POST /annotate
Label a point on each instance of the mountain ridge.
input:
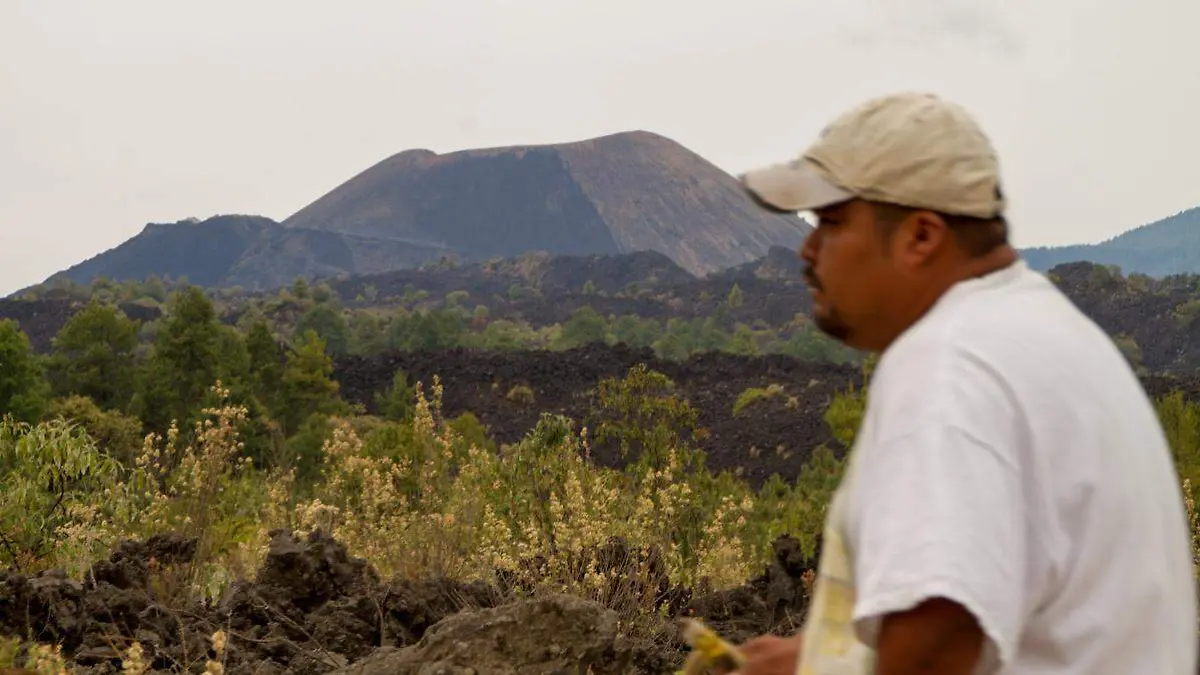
(611, 194)
(607, 195)
(1167, 246)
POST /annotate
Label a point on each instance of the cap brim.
(791, 188)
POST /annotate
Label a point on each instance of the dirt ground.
(315, 609)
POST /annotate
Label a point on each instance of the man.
(1010, 505)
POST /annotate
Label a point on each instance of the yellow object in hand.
(709, 650)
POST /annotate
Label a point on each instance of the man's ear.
(924, 234)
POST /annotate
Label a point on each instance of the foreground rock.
(314, 608)
(542, 636)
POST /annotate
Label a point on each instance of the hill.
(1164, 247)
(616, 194)
(239, 250)
(619, 193)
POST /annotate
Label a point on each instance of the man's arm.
(937, 637)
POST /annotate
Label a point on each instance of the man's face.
(849, 271)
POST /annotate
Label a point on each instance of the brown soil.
(315, 609)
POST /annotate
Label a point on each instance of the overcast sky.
(118, 113)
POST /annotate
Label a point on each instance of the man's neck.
(994, 261)
(964, 270)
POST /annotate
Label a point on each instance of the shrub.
(425, 496)
(755, 394)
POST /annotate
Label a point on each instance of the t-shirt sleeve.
(938, 504)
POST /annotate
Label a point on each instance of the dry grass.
(427, 502)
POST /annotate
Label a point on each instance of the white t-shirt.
(1010, 460)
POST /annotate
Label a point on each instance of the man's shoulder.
(1025, 315)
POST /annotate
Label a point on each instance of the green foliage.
(844, 415)
(398, 402)
(47, 472)
(642, 414)
(304, 449)
(635, 331)
(117, 434)
(798, 508)
(754, 395)
(1139, 283)
(742, 341)
(584, 327)
(1130, 350)
(368, 333)
(1180, 419)
(93, 356)
(1186, 312)
(307, 385)
(503, 334)
(455, 299)
(521, 393)
(1105, 277)
(413, 322)
(184, 362)
(809, 344)
(23, 388)
(427, 329)
(328, 323)
(266, 361)
(736, 297)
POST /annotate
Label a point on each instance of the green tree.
(635, 331)
(675, 343)
(503, 334)
(300, 289)
(117, 434)
(307, 387)
(454, 299)
(23, 388)
(154, 289)
(310, 397)
(397, 402)
(584, 327)
(327, 321)
(266, 366)
(742, 341)
(322, 293)
(184, 364)
(736, 296)
(93, 356)
(643, 413)
(437, 329)
(368, 334)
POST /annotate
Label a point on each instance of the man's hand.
(770, 655)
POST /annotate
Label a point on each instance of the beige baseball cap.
(911, 149)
